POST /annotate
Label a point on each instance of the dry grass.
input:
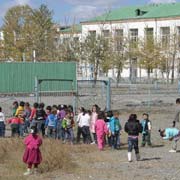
(55, 157)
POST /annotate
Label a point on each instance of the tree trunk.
(173, 64)
(96, 66)
(118, 77)
(149, 73)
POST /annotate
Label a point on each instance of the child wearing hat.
(32, 155)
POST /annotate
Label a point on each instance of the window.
(92, 33)
(105, 33)
(134, 37)
(119, 32)
(165, 36)
(76, 39)
(118, 39)
(66, 40)
(149, 33)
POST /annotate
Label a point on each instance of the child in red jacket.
(14, 121)
(32, 155)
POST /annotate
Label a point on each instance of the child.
(51, 124)
(20, 114)
(67, 125)
(39, 119)
(14, 109)
(14, 121)
(85, 124)
(133, 128)
(78, 121)
(109, 115)
(2, 123)
(171, 134)
(94, 116)
(115, 128)
(101, 130)
(32, 155)
(27, 113)
(60, 114)
(146, 133)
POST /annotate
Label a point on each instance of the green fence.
(20, 77)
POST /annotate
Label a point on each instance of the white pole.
(34, 55)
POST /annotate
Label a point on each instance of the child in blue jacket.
(171, 134)
(115, 128)
(51, 124)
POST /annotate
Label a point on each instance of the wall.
(20, 77)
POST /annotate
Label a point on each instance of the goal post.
(88, 85)
(71, 89)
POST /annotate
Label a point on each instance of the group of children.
(95, 127)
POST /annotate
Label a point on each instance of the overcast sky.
(68, 11)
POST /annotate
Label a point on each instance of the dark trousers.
(133, 144)
(79, 133)
(86, 134)
(40, 125)
(95, 137)
(15, 130)
(146, 138)
(2, 129)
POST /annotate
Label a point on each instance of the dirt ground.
(156, 162)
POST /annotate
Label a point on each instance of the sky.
(66, 12)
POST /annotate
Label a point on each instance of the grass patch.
(55, 157)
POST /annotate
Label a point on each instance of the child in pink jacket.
(101, 130)
(32, 155)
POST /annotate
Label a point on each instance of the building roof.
(140, 12)
(72, 29)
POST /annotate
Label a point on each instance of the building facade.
(160, 21)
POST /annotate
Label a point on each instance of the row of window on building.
(134, 34)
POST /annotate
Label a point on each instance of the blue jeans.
(51, 133)
(39, 125)
(69, 134)
(2, 129)
(21, 129)
(115, 139)
(59, 130)
(133, 144)
(27, 125)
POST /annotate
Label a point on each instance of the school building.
(135, 22)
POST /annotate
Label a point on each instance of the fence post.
(178, 86)
(36, 89)
(108, 95)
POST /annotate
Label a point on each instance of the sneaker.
(28, 172)
(172, 151)
(93, 143)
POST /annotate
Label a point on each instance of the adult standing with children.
(177, 112)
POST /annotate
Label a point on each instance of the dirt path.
(156, 162)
